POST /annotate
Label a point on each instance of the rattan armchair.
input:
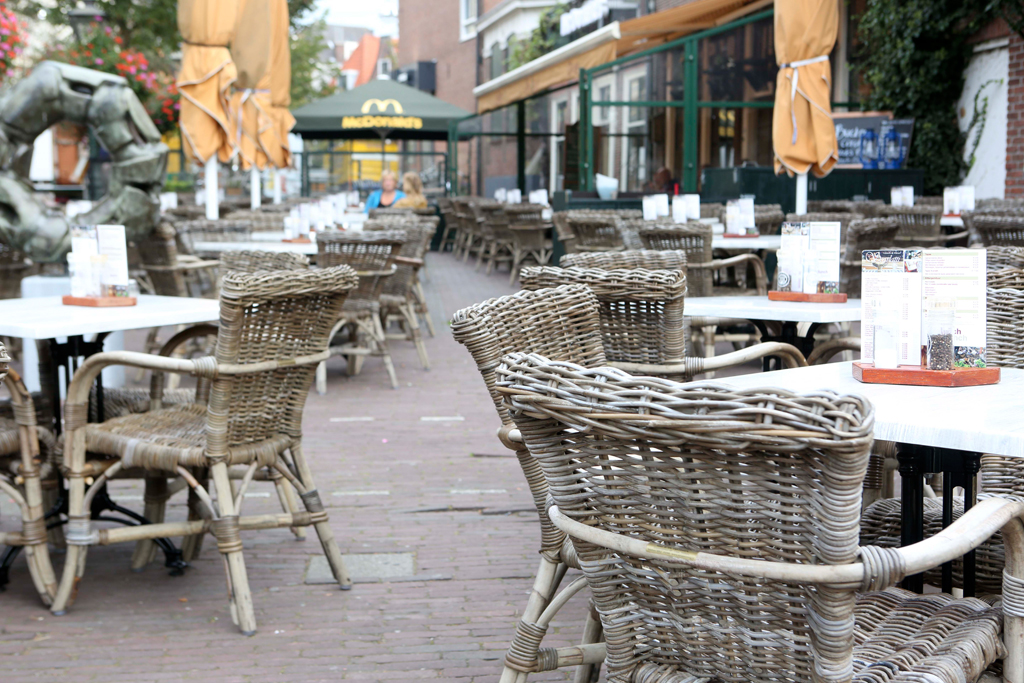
(920, 225)
(446, 208)
(718, 532)
(999, 230)
(261, 221)
(695, 239)
(470, 235)
(496, 237)
(372, 255)
(595, 233)
(985, 209)
(529, 238)
(22, 468)
(246, 261)
(768, 218)
(998, 258)
(190, 232)
(274, 330)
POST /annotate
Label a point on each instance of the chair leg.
(421, 300)
(289, 503)
(517, 262)
(156, 504)
(192, 545)
(321, 377)
(522, 654)
(323, 527)
(74, 560)
(592, 633)
(409, 313)
(225, 529)
(380, 339)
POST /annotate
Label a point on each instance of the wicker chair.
(920, 226)
(496, 237)
(719, 540)
(1008, 210)
(649, 259)
(998, 258)
(768, 218)
(451, 223)
(712, 211)
(257, 391)
(695, 239)
(469, 234)
(23, 466)
(861, 234)
(190, 232)
(529, 239)
(399, 298)
(258, 261)
(595, 233)
(999, 230)
(643, 328)
(261, 221)
(372, 256)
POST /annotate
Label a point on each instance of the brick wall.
(430, 30)
(1015, 119)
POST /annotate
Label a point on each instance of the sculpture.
(56, 92)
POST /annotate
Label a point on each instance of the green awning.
(377, 109)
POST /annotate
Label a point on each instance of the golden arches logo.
(382, 106)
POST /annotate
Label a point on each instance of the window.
(559, 118)
(604, 94)
(383, 68)
(496, 61)
(467, 17)
(637, 93)
(635, 143)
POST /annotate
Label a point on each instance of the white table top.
(47, 318)
(982, 419)
(308, 248)
(767, 242)
(952, 221)
(760, 308)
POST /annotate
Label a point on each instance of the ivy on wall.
(912, 55)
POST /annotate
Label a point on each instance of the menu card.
(661, 202)
(514, 196)
(98, 261)
(650, 207)
(809, 258)
(891, 290)
(959, 276)
(902, 196)
(739, 216)
(956, 200)
(112, 243)
(686, 207)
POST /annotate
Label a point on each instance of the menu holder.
(839, 298)
(915, 375)
(99, 301)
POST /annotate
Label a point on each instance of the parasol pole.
(801, 194)
(210, 178)
(255, 190)
(275, 178)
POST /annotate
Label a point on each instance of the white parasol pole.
(212, 204)
(276, 179)
(801, 194)
(255, 190)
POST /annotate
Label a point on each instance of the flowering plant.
(11, 40)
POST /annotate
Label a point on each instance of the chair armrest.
(760, 274)
(695, 365)
(409, 261)
(964, 535)
(184, 265)
(156, 382)
(824, 352)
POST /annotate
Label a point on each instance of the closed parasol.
(206, 75)
(250, 50)
(803, 134)
(275, 139)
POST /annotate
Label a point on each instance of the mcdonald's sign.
(382, 106)
(376, 116)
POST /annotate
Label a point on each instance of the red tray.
(812, 298)
(915, 375)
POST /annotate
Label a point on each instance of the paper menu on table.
(747, 212)
(678, 210)
(113, 244)
(514, 196)
(650, 207)
(661, 202)
(891, 281)
(83, 240)
(959, 275)
(821, 272)
(902, 196)
(734, 221)
(956, 200)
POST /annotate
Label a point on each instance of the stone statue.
(56, 92)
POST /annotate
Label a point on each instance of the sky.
(361, 13)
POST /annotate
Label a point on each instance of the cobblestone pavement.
(416, 470)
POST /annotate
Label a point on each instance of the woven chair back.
(694, 239)
(370, 254)
(712, 211)
(998, 257)
(271, 316)
(861, 234)
(562, 323)
(768, 218)
(1005, 318)
(391, 211)
(648, 259)
(757, 474)
(160, 249)
(999, 230)
(915, 221)
(596, 233)
(189, 232)
(259, 261)
(261, 221)
(525, 214)
(641, 310)
(416, 242)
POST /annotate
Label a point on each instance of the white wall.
(990, 62)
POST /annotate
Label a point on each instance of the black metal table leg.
(787, 335)
(948, 484)
(912, 481)
(971, 467)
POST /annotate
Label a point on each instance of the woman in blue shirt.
(387, 195)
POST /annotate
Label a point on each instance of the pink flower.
(132, 70)
(99, 62)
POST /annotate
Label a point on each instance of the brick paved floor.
(444, 490)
